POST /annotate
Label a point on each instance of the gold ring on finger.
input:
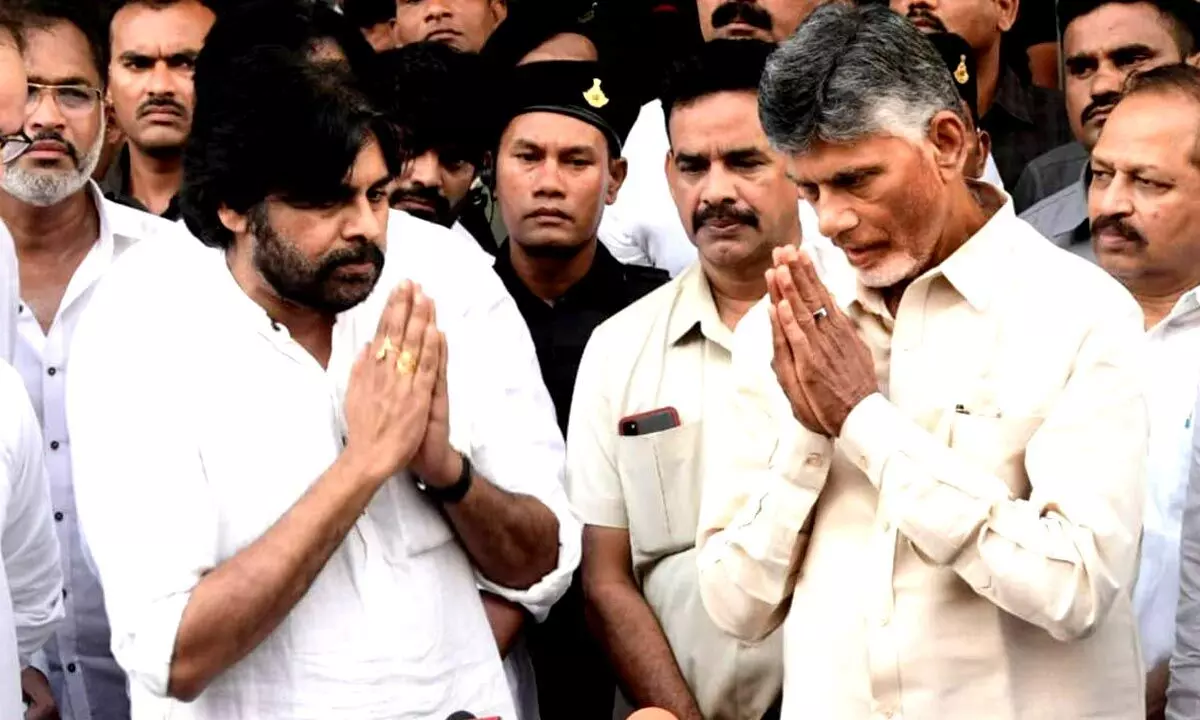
(406, 364)
(384, 349)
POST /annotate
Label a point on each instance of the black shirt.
(1024, 122)
(561, 331)
(116, 187)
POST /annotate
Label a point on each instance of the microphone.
(461, 715)
(652, 714)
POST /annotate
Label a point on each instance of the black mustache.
(741, 11)
(363, 251)
(431, 196)
(1107, 101)
(1118, 225)
(161, 104)
(53, 136)
(724, 211)
(918, 13)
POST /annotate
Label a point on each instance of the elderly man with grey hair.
(936, 488)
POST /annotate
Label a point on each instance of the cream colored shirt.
(967, 547)
(668, 350)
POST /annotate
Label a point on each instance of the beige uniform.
(668, 349)
(967, 547)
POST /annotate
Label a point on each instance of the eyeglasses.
(14, 146)
(71, 99)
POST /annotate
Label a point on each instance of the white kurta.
(204, 447)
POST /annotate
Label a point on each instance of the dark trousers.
(574, 679)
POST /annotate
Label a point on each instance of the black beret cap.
(960, 61)
(575, 88)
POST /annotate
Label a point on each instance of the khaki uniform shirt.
(668, 349)
(967, 547)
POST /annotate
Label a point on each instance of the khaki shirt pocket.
(996, 445)
(660, 478)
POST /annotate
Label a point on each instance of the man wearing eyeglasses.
(30, 576)
(66, 237)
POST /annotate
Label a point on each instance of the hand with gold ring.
(406, 363)
(392, 385)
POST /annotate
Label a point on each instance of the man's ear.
(951, 141)
(1008, 10)
(499, 10)
(985, 149)
(618, 170)
(235, 222)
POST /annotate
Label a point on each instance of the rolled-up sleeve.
(1058, 559)
(28, 544)
(1183, 694)
(144, 509)
(759, 498)
(515, 440)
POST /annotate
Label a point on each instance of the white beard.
(46, 188)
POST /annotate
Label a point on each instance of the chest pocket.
(996, 446)
(661, 478)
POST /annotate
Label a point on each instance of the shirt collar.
(970, 270)
(1186, 305)
(1012, 97)
(694, 307)
(116, 187)
(603, 277)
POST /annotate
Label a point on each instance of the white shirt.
(199, 423)
(643, 226)
(1172, 377)
(10, 281)
(88, 683)
(30, 577)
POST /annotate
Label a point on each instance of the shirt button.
(814, 460)
(70, 667)
(52, 372)
(53, 444)
(58, 517)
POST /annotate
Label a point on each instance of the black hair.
(366, 14)
(439, 96)
(1182, 15)
(717, 66)
(12, 23)
(272, 121)
(1180, 79)
(116, 6)
(87, 17)
(301, 27)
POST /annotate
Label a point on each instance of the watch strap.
(451, 493)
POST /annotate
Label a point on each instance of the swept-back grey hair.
(849, 72)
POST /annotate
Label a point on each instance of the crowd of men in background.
(749, 359)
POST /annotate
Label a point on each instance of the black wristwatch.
(451, 493)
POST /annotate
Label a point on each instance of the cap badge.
(962, 75)
(595, 96)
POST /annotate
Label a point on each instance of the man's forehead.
(369, 168)
(726, 118)
(554, 130)
(1117, 25)
(825, 160)
(59, 52)
(148, 30)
